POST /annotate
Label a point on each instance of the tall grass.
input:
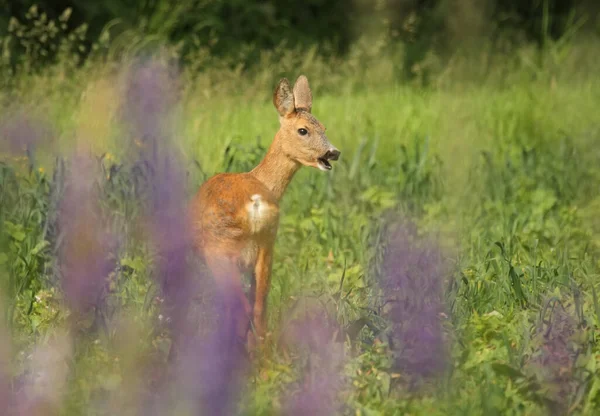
(494, 165)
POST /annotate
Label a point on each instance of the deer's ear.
(302, 94)
(283, 98)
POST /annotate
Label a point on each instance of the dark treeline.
(228, 27)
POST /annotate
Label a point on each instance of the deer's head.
(302, 137)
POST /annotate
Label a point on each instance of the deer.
(235, 216)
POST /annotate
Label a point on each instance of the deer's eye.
(302, 132)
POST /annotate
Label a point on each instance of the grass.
(501, 173)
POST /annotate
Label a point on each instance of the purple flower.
(322, 381)
(554, 359)
(411, 279)
(86, 246)
(41, 387)
(215, 361)
(208, 357)
(21, 132)
(171, 238)
(45, 382)
(150, 95)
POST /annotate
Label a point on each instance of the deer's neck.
(276, 170)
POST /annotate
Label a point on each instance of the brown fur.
(235, 216)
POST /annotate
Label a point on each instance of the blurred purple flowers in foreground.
(554, 359)
(23, 132)
(207, 362)
(412, 276)
(149, 96)
(322, 374)
(87, 248)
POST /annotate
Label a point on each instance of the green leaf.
(15, 231)
(506, 370)
(39, 247)
(18, 235)
(35, 322)
(385, 380)
(136, 263)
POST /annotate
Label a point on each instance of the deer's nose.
(332, 154)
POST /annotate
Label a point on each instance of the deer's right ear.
(283, 98)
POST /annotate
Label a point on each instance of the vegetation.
(448, 264)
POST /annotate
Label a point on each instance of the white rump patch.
(259, 213)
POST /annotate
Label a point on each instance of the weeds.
(493, 284)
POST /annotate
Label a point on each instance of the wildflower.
(84, 254)
(553, 361)
(207, 365)
(23, 132)
(44, 384)
(322, 378)
(150, 94)
(411, 279)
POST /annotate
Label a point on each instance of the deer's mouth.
(324, 164)
(323, 161)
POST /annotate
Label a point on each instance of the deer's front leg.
(262, 274)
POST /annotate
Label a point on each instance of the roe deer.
(235, 216)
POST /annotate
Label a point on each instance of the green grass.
(504, 171)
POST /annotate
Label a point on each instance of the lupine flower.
(411, 280)
(86, 246)
(554, 360)
(44, 384)
(215, 361)
(209, 364)
(21, 132)
(150, 95)
(322, 373)
(148, 98)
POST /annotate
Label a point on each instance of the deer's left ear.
(302, 94)
(283, 98)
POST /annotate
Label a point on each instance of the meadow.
(447, 265)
